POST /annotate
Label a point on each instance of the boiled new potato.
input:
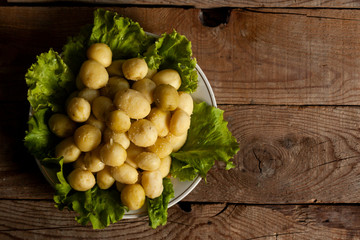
(165, 166)
(135, 68)
(112, 154)
(186, 102)
(148, 161)
(176, 141)
(96, 123)
(115, 69)
(119, 186)
(120, 138)
(168, 76)
(133, 103)
(61, 125)
(161, 147)
(133, 196)
(78, 109)
(68, 150)
(179, 123)
(125, 174)
(143, 133)
(132, 152)
(93, 74)
(118, 121)
(87, 137)
(152, 183)
(166, 97)
(161, 120)
(92, 161)
(104, 179)
(89, 94)
(151, 73)
(101, 53)
(146, 87)
(79, 163)
(114, 85)
(101, 107)
(81, 180)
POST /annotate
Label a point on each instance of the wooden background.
(287, 74)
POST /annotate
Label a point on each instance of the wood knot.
(215, 16)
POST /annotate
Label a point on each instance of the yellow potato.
(78, 109)
(68, 150)
(151, 73)
(112, 154)
(161, 120)
(152, 183)
(115, 69)
(93, 74)
(79, 163)
(146, 87)
(186, 102)
(61, 125)
(132, 152)
(176, 141)
(161, 147)
(118, 121)
(87, 137)
(143, 133)
(81, 180)
(125, 174)
(179, 122)
(96, 123)
(92, 161)
(101, 107)
(135, 68)
(168, 76)
(166, 97)
(71, 96)
(148, 161)
(120, 138)
(114, 85)
(101, 53)
(89, 94)
(165, 166)
(133, 103)
(119, 186)
(104, 179)
(133, 196)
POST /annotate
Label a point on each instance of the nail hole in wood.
(215, 16)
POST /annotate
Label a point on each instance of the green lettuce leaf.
(174, 51)
(208, 140)
(50, 81)
(183, 170)
(157, 207)
(125, 37)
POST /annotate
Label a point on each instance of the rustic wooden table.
(287, 73)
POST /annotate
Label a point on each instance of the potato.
(133, 103)
(79, 163)
(104, 179)
(135, 68)
(168, 76)
(146, 87)
(112, 154)
(101, 107)
(101, 53)
(152, 183)
(125, 174)
(166, 97)
(114, 85)
(93, 74)
(151, 73)
(148, 161)
(89, 94)
(119, 186)
(186, 102)
(96, 123)
(61, 125)
(161, 120)
(120, 138)
(92, 161)
(115, 69)
(179, 122)
(87, 137)
(161, 147)
(133, 196)
(68, 150)
(78, 109)
(81, 180)
(118, 121)
(143, 133)
(165, 165)
(71, 96)
(176, 141)
(132, 152)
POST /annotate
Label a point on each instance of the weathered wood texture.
(217, 3)
(266, 56)
(211, 221)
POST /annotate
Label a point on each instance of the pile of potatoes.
(122, 125)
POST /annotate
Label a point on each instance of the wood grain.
(39, 220)
(262, 56)
(218, 3)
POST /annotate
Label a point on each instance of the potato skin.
(78, 109)
(81, 180)
(165, 166)
(168, 76)
(176, 141)
(93, 75)
(179, 123)
(68, 150)
(161, 147)
(135, 68)
(161, 120)
(148, 161)
(92, 161)
(101, 107)
(89, 94)
(112, 154)
(133, 196)
(146, 87)
(186, 103)
(166, 97)
(118, 121)
(101, 53)
(152, 183)
(133, 103)
(120, 138)
(87, 137)
(104, 179)
(114, 85)
(125, 174)
(143, 133)
(61, 125)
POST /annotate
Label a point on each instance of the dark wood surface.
(288, 80)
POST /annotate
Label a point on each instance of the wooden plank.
(218, 3)
(263, 56)
(288, 155)
(39, 219)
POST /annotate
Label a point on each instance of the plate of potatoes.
(121, 125)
